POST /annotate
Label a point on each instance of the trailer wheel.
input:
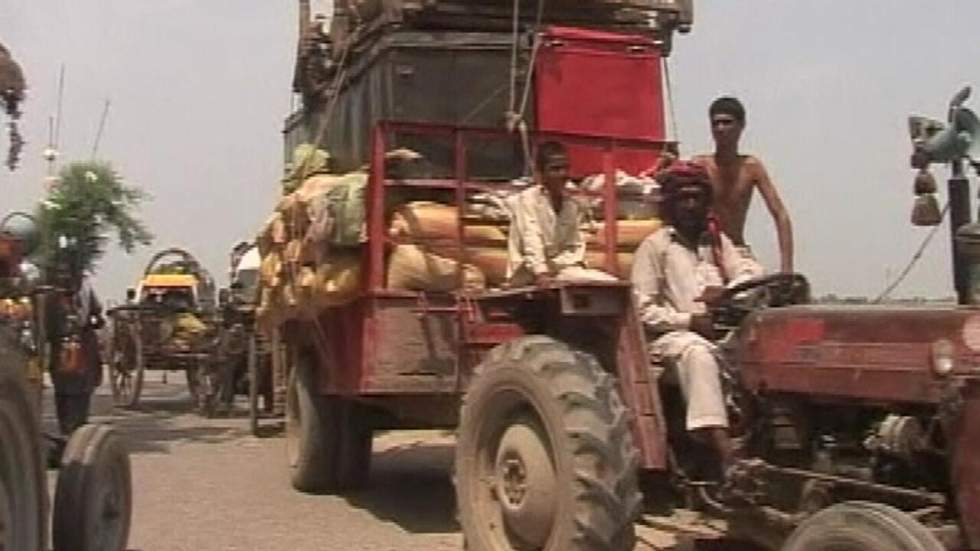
(545, 458)
(94, 495)
(312, 433)
(253, 385)
(23, 479)
(861, 526)
(260, 384)
(328, 442)
(357, 436)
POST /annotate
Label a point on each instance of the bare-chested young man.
(735, 176)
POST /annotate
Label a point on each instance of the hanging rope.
(670, 101)
(514, 42)
(530, 75)
(915, 258)
(337, 83)
(515, 116)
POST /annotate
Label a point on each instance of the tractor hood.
(894, 354)
(879, 355)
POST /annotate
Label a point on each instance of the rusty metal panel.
(966, 465)
(861, 353)
(592, 301)
(640, 393)
(397, 75)
(416, 347)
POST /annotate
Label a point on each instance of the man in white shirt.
(545, 242)
(678, 270)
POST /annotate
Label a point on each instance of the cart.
(169, 323)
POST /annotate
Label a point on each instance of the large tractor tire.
(545, 458)
(328, 444)
(861, 526)
(23, 479)
(93, 500)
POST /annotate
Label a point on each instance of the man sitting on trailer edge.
(545, 241)
(678, 270)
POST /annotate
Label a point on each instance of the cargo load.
(312, 258)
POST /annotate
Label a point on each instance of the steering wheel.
(768, 291)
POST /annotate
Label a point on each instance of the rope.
(915, 258)
(513, 57)
(476, 110)
(530, 75)
(335, 86)
(670, 100)
(514, 117)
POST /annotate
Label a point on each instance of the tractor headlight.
(943, 360)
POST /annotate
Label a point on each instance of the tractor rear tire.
(861, 526)
(94, 495)
(23, 479)
(328, 439)
(545, 457)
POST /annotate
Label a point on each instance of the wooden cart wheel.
(93, 501)
(126, 368)
(253, 384)
(202, 388)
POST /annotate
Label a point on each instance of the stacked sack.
(310, 247)
(312, 254)
(434, 227)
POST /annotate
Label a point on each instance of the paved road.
(208, 485)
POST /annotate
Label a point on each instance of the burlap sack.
(624, 261)
(423, 220)
(412, 269)
(278, 230)
(270, 271)
(629, 233)
(338, 281)
(293, 252)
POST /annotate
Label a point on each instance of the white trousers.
(692, 359)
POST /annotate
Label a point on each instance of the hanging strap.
(714, 231)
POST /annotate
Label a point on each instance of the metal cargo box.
(458, 78)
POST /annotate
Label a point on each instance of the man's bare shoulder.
(704, 159)
(753, 163)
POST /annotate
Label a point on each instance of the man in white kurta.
(675, 272)
(545, 241)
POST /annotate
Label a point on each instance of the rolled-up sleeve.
(647, 276)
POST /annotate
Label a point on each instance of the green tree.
(88, 204)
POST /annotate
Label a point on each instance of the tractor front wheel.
(545, 458)
(93, 501)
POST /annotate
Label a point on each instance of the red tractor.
(861, 425)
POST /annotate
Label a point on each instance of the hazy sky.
(199, 91)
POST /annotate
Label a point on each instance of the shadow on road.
(411, 487)
(164, 417)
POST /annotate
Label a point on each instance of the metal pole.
(959, 215)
